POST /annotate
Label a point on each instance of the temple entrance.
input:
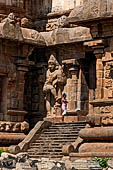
(77, 79)
(34, 102)
(34, 98)
(88, 82)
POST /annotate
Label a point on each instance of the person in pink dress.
(64, 105)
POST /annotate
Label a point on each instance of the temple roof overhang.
(58, 36)
(22, 35)
(91, 11)
(66, 35)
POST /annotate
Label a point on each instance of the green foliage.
(3, 150)
(102, 161)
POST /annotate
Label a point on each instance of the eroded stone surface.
(91, 10)
(16, 162)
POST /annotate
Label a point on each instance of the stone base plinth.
(66, 118)
(70, 118)
(89, 155)
(74, 118)
(96, 147)
(97, 134)
(57, 119)
(7, 139)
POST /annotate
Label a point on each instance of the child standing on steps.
(64, 105)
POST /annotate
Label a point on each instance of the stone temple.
(48, 48)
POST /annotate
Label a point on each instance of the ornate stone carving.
(10, 19)
(14, 127)
(51, 26)
(24, 23)
(107, 119)
(62, 21)
(100, 119)
(24, 126)
(55, 80)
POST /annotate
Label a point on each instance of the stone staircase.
(49, 143)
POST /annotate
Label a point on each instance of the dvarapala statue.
(55, 81)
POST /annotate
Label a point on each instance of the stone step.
(32, 150)
(45, 147)
(45, 153)
(55, 142)
(49, 143)
(60, 132)
(57, 135)
(66, 127)
(68, 130)
(58, 157)
(62, 129)
(56, 138)
(43, 144)
(69, 123)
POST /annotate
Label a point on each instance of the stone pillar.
(98, 48)
(72, 88)
(99, 77)
(16, 106)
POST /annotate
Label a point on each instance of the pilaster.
(72, 83)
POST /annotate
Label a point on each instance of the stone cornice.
(66, 36)
(55, 37)
(23, 35)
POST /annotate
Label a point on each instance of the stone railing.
(23, 146)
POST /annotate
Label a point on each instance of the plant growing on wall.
(103, 162)
(3, 150)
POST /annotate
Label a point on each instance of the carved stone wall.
(62, 5)
(78, 80)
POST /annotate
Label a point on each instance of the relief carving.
(105, 109)
(100, 119)
(14, 127)
(62, 21)
(107, 73)
(55, 80)
(10, 19)
(108, 83)
(24, 23)
(107, 119)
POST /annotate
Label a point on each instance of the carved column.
(16, 108)
(73, 87)
(99, 77)
(72, 83)
(98, 48)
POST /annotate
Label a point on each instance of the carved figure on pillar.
(10, 19)
(53, 86)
